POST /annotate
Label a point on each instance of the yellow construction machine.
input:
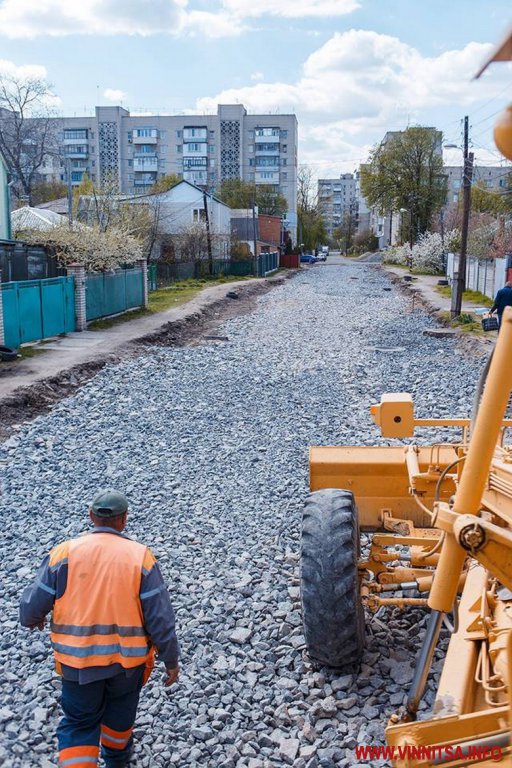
(441, 518)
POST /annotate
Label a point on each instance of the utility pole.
(459, 282)
(254, 237)
(70, 192)
(208, 235)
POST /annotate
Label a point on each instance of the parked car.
(322, 256)
(308, 258)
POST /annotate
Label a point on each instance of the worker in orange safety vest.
(111, 613)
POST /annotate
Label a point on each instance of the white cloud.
(257, 76)
(57, 18)
(24, 71)
(28, 72)
(212, 25)
(114, 94)
(361, 83)
(31, 18)
(290, 8)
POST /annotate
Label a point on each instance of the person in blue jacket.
(503, 299)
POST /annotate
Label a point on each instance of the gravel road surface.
(210, 443)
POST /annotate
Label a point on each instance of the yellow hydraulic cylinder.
(476, 467)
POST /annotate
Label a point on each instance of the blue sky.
(350, 69)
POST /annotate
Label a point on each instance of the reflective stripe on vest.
(98, 621)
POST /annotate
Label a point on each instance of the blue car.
(307, 258)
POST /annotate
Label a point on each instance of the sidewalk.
(426, 287)
(78, 348)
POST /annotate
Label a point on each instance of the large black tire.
(332, 612)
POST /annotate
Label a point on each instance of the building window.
(199, 214)
(211, 149)
(161, 163)
(75, 133)
(284, 148)
(251, 177)
(163, 134)
(179, 148)
(267, 132)
(146, 133)
(284, 176)
(250, 148)
(284, 134)
(76, 175)
(179, 134)
(212, 134)
(130, 163)
(284, 161)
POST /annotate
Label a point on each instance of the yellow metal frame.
(446, 513)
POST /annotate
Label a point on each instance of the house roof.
(34, 218)
(57, 206)
(169, 191)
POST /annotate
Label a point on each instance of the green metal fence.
(268, 263)
(161, 274)
(110, 293)
(37, 309)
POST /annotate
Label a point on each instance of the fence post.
(143, 264)
(78, 272)
(2, 335)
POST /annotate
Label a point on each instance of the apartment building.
(202, 149)
(337, 197)
(494, 177)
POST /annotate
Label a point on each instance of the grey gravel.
(210, 443)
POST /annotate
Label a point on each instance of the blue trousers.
(99, 712)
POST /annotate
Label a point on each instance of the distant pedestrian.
(503, 299)
(111, 612)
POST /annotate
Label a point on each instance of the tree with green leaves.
(244, 194)
(485, 200)
(405, 173)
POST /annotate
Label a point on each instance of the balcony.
(145, 164)
(195, 134)
(195, 163)
(144, 154)
(196, 177)
(76, 152)
(192, 149)
(267, 148)
(145, 136)
(69, 142)
(266, 177)
(261, 163)
(147, 180)
(267, 135)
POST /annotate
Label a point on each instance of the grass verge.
(475, 296)
(163, 299)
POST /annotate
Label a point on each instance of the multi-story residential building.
(494, 177)
(203, 149)
(337, 197)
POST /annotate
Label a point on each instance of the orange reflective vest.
(99, 621)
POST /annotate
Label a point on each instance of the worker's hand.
(39, 625)
(171, 675)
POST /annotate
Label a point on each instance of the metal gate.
(38, 309)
